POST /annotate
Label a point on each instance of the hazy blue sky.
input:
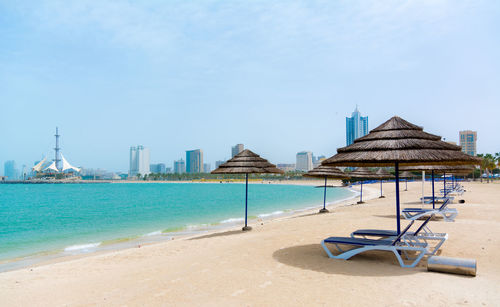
(278, 76)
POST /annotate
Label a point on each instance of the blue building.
(356, 126)
(159, 168)
(10, 170)
(194, 161)
(179, 167)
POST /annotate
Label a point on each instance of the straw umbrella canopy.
(406, 174)
(326, 172)
(247, 162)
(382, 174)
(362, 173)
(398, 142)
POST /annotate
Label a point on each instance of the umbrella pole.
(444, 184)
(406, 188)
(433, 200)
(423, 187)
(381, 196)
(361, 194)
(246, 204)
(398, 221)
(324, 210)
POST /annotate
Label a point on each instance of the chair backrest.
(444, 204)
(402, 233)
(423, 224)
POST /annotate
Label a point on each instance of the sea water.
(45, 218)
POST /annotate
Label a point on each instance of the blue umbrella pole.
(433, 199)
(324, 210)
(444, 184)
(246, 205)
(398, 221)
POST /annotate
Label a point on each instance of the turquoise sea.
(49, 218)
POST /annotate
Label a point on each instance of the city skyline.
(174, 76)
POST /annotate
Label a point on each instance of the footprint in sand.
(236, 293)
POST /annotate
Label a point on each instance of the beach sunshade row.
(363, 173)
(442, 169)
(399, 141)
(328, 172)
(247, 162)
(407, 174)
(382, 173)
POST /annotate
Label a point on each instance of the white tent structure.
(67, 166)
(52, 167)
(39, 166)
(55, 166)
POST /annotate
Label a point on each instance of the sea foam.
(81, 247)
(233, 220)
(154, 233)
(271, 214)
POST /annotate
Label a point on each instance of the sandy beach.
(280, 262)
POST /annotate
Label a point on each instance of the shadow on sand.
(219, 234)
(313, 257)
(435, 218)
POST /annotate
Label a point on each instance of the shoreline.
(89, 249)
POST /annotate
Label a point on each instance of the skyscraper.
(139, 161)
(10, 170)
(236, 149)
(356, 126)
(206, 168)
(468, 140)
(179, 167)
(219, 163)
(304, 161)
(194, 161)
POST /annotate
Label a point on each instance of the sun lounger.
(422, 235)
(437, 199)
(396, 245)
(448, 214)
(457, 191)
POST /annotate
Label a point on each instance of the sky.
(277, 76)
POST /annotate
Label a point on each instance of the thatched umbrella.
(398, 142)
(362, 173)
(440, 169)
(405, 175)
(326, 172)
(247, 162)
(382, 174)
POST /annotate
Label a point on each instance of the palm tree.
(488, 163)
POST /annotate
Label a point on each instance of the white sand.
(280, 262)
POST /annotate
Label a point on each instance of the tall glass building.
(356, 126)
(139, 161)
(10, 170)
(194, 161)
(236, 149)
(179, 167)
